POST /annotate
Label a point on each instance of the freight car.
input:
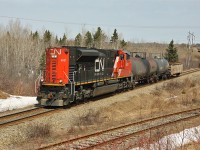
(73, 74)
(175, 69)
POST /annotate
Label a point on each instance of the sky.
(135, 20)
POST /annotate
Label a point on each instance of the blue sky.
(136, 20)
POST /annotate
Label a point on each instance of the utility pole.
(191, 38)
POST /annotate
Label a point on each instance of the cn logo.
(99, 64)
(56, 51)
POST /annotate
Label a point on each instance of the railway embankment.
(153, 100)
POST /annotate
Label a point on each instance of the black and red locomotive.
(77, 73)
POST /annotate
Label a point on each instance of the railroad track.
(16, 118)
(19, 117)
(185, 72)
(102, 139)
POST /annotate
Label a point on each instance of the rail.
(20, 117)
(104, 137)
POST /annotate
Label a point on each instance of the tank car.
(148, 69)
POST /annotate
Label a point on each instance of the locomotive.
(73, 74)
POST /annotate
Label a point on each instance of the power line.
(105, 25)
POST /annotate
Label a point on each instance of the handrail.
(69, 80)
(74, 79)
(67, 77)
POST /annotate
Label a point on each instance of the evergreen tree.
(114, 37)
(98, 36)
(123, 43)
(42, 61)
(47, 38)
(35, 35)
(56, 40)
(64, 39)
(88, 39)
(78, 40)
(171, 53)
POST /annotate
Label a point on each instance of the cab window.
(121, 57)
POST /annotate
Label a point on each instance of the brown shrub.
(156, 93)
(17, 86)
(173, 85)
(3, 95)
(157, 103)
(196, 101)
(186, 100)
(92, 117)
(184, 91)
(38, 131)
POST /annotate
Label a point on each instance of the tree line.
(22, 52)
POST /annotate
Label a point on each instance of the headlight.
(53, 56)
(60, 81)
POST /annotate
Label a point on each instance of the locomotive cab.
(53, 89)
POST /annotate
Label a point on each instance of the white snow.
(175, 140)
(16, 102)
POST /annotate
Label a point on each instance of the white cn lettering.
(99, 65)
(58, 51)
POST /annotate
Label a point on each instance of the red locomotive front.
(57, 66)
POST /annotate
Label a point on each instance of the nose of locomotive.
(57, 66)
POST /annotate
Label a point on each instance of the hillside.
(121, 108)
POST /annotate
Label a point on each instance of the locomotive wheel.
(83, 99)
(178, 74)
(164, 77)
(155, 79)
(131, 87)
(76, 101)
(67, 106)
(148, 81)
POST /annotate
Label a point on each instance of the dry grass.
(17, 86)
(172, 95)
(138, 107)
(4, 95)
(137, 104)
(88, 121)
(33, 136)
(38, 131)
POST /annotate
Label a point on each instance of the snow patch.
(16, 102)
(175, 140)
